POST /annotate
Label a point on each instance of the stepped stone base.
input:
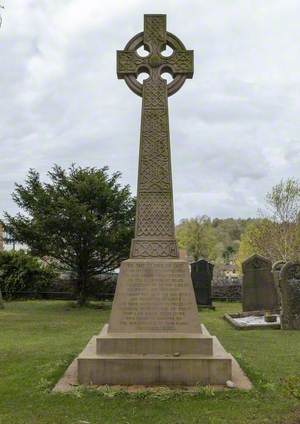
(69, 381)
(206, 363)
(153, 343)
(154, 335)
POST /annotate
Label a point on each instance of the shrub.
(22, 272)
(82, 218)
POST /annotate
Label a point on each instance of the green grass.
(39, 339)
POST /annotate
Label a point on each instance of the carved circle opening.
(142, 51)
(138, 41)
(167, 52)
(142, 76)
(166, 75)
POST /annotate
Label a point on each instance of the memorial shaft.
(154, 231)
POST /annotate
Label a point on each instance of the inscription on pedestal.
(154, 297)
(152, 304)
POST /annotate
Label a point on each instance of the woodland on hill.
(274, 233)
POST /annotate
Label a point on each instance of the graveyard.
(39, 339)
(123, 303)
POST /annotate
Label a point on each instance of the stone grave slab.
(253, 320)
(289, 284)
(202, 275)
(258, 288)
(276, 268)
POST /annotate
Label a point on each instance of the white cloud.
(235, 127)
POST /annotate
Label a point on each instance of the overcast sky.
(235, 127)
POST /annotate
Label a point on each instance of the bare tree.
(283, 204)
(277, 234)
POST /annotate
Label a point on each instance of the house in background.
(230, 271)
(9, 244)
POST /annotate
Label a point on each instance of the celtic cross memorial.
(154, 231)
(154, 272)
(154, 335)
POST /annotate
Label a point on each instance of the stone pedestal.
(154, 296)
(154, 335)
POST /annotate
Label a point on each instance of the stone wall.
(63, 289)
(225, 290)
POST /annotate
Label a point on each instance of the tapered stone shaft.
(154, 232)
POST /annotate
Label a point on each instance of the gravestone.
(154, 335)
(276, 268)
(289, 284)
(258, 288)
(202, 274)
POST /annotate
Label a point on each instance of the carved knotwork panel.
(154, 96)
(155, 215)
(155, 37)
(155, 121)
(128, 62)
(155, 166)
(181, 62)
(154, 249)
(155, 29)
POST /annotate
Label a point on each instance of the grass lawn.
(38, 339)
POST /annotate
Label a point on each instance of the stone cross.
(154, 230)
(154, 335)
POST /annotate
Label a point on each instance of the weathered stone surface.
(154, 232)
(154, 334)
(289, 283)
(202, 274)
(156, 296)
(150, 368)
(170, 343)
(258, 289)
(276, 268)
(83, 365)
(251, 321)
